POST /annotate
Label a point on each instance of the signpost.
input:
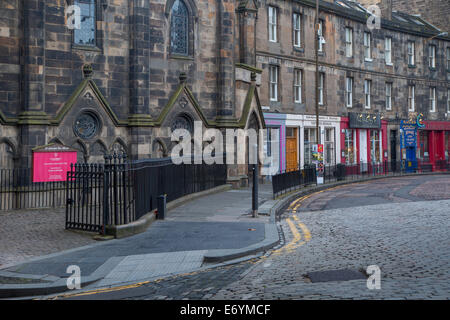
(52, 162)
(317, 153)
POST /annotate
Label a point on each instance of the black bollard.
(161, 206)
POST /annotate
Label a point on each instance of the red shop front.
(433, 142)
(363, 139)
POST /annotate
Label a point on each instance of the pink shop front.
(364, 141)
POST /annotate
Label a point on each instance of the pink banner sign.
(52, 166)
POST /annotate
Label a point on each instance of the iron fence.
(287, 181)
(119, 192)
(18, 191)
(292, 180)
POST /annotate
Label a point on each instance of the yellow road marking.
(305, 230)
(105, 290)
(298, 202)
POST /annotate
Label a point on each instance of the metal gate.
(84, 209)
(100, 195)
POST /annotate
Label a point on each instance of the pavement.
(199, 234)
(211, 247)
(325, 249)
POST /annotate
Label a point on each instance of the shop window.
(329, 146)
(424, 146)
(349, 147)
(310, 139)
(447, 145)
(375, 146)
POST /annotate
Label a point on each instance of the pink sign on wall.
(51, 163)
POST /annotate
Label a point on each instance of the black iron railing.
(291, 180)
(119, 192)
(18, 191)
(288, 181)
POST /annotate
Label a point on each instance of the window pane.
(179, 28)
(86, 34)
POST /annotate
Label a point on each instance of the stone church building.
(123, 76)
(110, 75)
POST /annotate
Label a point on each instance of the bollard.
(255, 186)
(161, 202)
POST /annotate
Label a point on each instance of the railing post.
(106, 171)
(115, 190)
(124, 182)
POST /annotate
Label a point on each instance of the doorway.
(393, 142)
(291, 149)
(363, 150)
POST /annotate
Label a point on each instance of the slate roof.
(401, 22)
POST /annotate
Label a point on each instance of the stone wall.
(10, 35)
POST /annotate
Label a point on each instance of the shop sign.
(364, 120)
(409, 129)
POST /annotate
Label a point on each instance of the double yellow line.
(301, 235)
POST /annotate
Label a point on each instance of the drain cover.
(335, 275)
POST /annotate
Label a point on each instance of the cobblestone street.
(409, 243)
(406, 237)
(32, 233)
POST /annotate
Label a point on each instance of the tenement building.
(121, 75)
(374, 80)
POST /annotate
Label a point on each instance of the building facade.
(128, 72)
(370, 79)
(124, 75)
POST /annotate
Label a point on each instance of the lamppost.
(317, 71)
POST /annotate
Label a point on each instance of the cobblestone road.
(385, 223)
(27, 234)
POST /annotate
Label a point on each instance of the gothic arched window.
(179, 28)
(85, 34)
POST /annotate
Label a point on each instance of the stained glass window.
(179, 28)
(85, 35)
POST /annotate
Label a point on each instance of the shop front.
(364, 141)
(433, 142)
(297, 135)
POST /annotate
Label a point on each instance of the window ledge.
(180, 57)
(412, 66)
(390, 64)
(86, 47)
(299, 49)
(368, 59)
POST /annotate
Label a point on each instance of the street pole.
(255, 184)
(317, 71)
